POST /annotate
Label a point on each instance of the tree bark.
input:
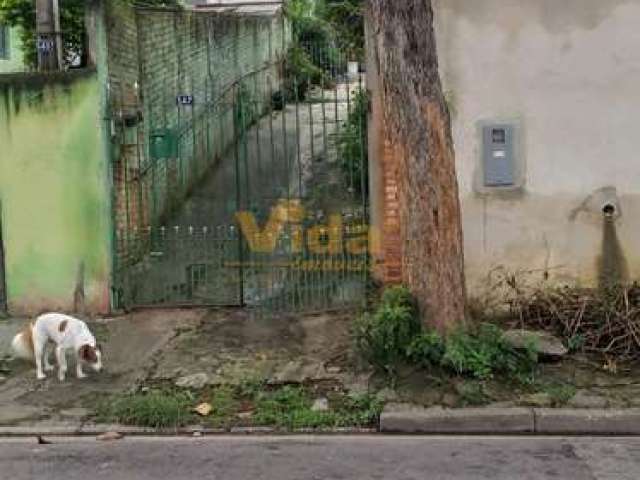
(418, 142)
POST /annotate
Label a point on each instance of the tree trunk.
(418, 143)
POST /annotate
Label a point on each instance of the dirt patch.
(233, 346)
(579, 381)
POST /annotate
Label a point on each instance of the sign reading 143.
(45, 45)
(184, 99)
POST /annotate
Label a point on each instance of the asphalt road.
(307, 458)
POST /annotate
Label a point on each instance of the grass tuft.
(155, 409)
(289, 407)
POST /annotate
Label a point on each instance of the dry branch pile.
(601, 321)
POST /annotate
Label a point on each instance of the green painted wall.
(54, 193)
(14, 63)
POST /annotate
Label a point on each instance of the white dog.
(65, 332)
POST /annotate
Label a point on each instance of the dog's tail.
(22, 344)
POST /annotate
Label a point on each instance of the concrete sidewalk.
(129, 342)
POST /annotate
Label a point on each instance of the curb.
(400, 418)
(583, 422)
(96, 429)
(411, 419)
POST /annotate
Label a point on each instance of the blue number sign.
(184, 99)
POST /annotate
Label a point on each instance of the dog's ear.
(88, 354)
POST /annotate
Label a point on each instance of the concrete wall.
(567, 74)
(54, 193)
(15, 62)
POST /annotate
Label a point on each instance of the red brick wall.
(390, 241)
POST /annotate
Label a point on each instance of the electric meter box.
(498, 155)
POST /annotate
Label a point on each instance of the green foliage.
(319, 34)
(426, 350)
(287, 407)
(358, 410)
(250, 387)
(382, 337)
(472, 394)
(576, 342)
(22, 14)
(399, 296)
(290, 407)
(392, 334)
(347, 19)
(300, 75)
(335, 24)
(483, 353)
(307, 25)
(352, 145)
(156, 409)
(559, 393)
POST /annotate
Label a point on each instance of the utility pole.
(48, 42)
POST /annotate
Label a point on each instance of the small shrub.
(300, 75)
(359, 410)
(466, 355)
(224, 402)
(426, 350)
(393, 334)
(314, 33)
(484, 353)
(399, 296)
(383, 337)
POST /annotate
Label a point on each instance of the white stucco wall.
(567, 73)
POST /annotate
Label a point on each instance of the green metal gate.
(254, 193)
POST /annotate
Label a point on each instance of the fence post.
(236, 105)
